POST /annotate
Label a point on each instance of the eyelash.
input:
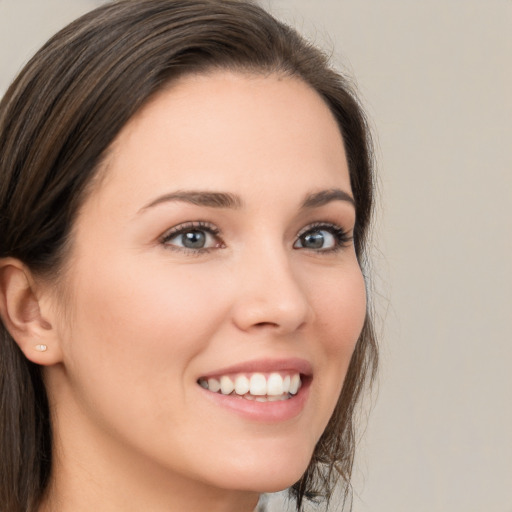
(186, 228)
(341, 237)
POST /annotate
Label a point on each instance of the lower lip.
(265, 412)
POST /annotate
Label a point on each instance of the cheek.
(137, 331)
(148, 301)
(139, 327)
(340, 306)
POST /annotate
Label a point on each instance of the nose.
(270, 294)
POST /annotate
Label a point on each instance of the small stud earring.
(41, 348)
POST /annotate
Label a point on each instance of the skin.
(135, 320)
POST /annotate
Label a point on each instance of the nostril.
(266, 324)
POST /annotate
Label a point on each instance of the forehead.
(225, 130)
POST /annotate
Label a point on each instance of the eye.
(322, 238)
(192, 236)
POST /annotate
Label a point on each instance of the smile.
(258, 387)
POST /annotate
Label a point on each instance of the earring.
(41, 348)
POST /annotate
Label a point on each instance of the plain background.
(436, 79)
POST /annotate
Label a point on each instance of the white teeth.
(242, 385)
(286, 384)
(258, 384)
(213, 385)
(275, 385)
(226, 385)
(294, 384)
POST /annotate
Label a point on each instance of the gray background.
(436, 78)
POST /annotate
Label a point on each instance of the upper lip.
(292, 364)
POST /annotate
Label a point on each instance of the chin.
(276, 472)
(265, 483)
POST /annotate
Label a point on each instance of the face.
(215, 252)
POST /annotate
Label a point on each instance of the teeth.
(242, 385)
(286, 384)
(226, 385)
(275, 385)
(213, 385)
(295, 384)
(257, 386)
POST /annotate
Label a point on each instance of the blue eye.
(322, 238)
(191, 239)
(192, 236)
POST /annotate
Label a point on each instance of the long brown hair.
(57, 121)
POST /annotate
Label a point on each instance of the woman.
(186, 190)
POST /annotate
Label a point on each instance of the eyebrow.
(200, 198)
(232, 201)
(326, 196)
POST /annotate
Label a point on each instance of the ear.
(23, 315)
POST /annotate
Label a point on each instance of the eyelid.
(342, 236)
(322, 225)
(190, 226)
